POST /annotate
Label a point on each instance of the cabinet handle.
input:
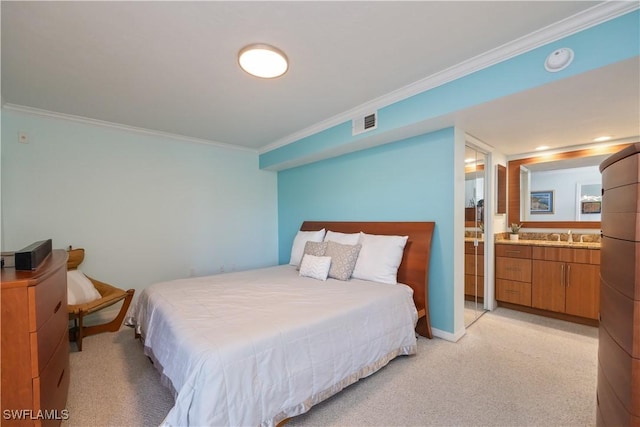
(55, 310)
(512, 252)
(568, 276)
(60, 379)
(562, 277)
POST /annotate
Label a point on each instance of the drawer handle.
(512, 252)
(55, 310)
(60, 380)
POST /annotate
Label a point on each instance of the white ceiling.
(172, 67)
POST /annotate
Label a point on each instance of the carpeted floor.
(510, 369)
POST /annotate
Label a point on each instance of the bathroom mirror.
(547, 191)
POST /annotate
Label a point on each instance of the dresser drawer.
(612, 411)
(470, 264)
(621, 199)
(620, 316)
(470, 285)
(513, 292)
(513, 251)
(623, 172)
(469, 248)
(575, 255)
(624, 226)
(513, 269)
(45, 340)
(47, 298)
(621, 371)
(50, 389)
(621, 266)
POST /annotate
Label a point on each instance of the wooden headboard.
(414, 268)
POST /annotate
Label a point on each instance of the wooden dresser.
(619, 338)
(35, 345)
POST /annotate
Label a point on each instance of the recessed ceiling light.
(263, 60)
(542, 147)
(601, 139)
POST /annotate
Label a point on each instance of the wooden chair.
(110, 295)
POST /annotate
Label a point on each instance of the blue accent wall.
(409, 180)
(602, 45)
(417, 174)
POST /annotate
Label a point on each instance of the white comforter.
(253, 348)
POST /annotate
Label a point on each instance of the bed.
(260, 346)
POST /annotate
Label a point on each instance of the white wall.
(146, 207)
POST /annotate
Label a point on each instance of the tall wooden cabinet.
(619, 338)
(35, 345)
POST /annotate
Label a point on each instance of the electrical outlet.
(23, 137)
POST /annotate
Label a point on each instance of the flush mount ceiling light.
(558, 60)
(263, 60)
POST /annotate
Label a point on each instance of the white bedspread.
(253, 348)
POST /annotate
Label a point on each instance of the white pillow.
(379, 258)
(316, 267)
(342, 238)
(297, 249)
(80, 289)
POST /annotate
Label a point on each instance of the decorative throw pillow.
(379, 258)
(80, 290)
(314, 248)
(302, 237)
(343, 259)
(316, 267)
(343, 238)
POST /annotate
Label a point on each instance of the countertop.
(561, 244)
(549, 243)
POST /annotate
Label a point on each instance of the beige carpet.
(511, 369)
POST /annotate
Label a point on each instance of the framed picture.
(591, 207)
(541, 202)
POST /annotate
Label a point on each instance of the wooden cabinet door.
(547, 285)
(582, 290)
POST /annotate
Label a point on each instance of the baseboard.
(448, 335)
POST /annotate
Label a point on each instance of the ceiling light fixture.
(602, 139)
(263, 60)
(558, 60)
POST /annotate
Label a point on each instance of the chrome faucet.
(570, 239)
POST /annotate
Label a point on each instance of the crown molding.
(103, 123)
(581, 21)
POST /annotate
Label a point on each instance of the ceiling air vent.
(364, 124)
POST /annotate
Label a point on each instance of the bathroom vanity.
(552, 278)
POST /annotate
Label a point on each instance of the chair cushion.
(80, 290)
